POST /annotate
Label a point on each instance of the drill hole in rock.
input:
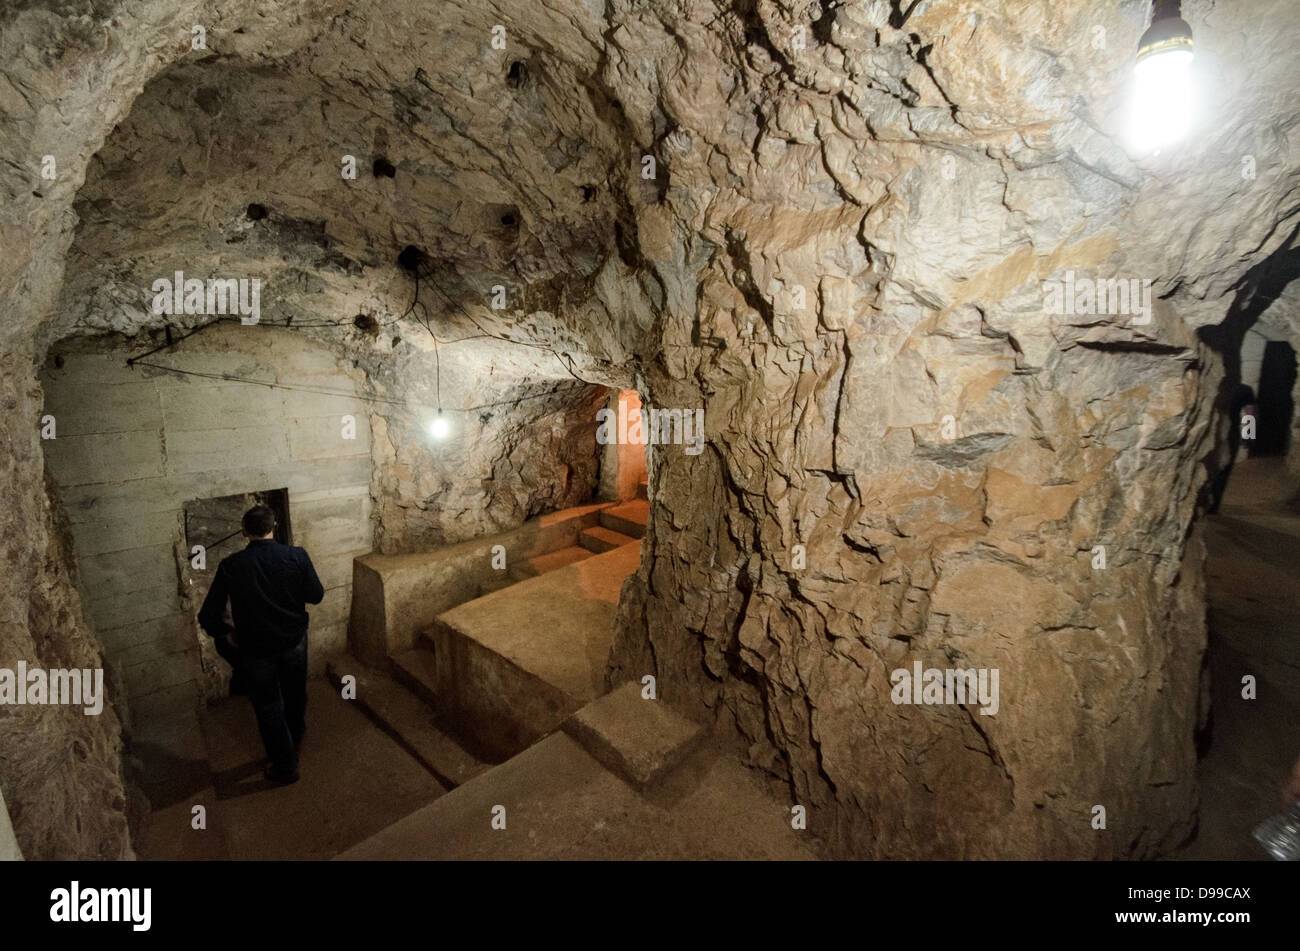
(411, 259)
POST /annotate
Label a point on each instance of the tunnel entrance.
(213, 530)
(623, 463)
(1277, 377)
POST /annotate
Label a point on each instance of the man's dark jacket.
(269, 586)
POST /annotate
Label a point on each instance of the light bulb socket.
(1168, 31)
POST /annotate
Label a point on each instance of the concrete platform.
(560, 803)
(417, 671)
(513, 665)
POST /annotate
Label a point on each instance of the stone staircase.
(626, 777)
(503, 700)
(515, 662)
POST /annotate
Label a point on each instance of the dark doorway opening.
(1277, 376)
(213, 530)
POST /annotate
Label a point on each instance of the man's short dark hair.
(259, 521)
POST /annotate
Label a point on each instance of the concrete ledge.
(599, 539)
(409, 721)
(500, 707)
(638, 740)
(396, 597)
(629, 518)
(512, 666)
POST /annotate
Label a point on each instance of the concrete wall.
(133, 445)
(397, 597)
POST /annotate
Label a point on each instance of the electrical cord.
(421, 317)
(351, 394)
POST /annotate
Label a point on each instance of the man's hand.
(1291, 789)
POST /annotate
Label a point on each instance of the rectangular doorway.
(216, 525)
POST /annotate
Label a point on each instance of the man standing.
(269, 586)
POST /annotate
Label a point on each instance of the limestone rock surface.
(840, 255)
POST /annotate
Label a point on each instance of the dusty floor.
(1254, 617)
(355, 781)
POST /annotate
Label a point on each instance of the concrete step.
(643, 491)
(552, 561)
(599, 539)
(639, 740)
(415, 670)
(628, 517)
(513, 665)
(408, 720)
(562, 804)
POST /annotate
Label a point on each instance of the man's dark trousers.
(277, 685)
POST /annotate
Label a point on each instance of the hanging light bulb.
(1162, 105)
(438, 426)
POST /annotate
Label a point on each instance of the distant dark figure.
(268, 585)
(1240, 405)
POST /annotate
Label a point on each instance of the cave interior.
(663, 391)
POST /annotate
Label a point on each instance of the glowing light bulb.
(1162, 106)
(1162, 96)
(439, 427)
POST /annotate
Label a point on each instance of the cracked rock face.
(843, 254)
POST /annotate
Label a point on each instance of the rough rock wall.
(918, 175)
(60, 769)
(508, 463)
